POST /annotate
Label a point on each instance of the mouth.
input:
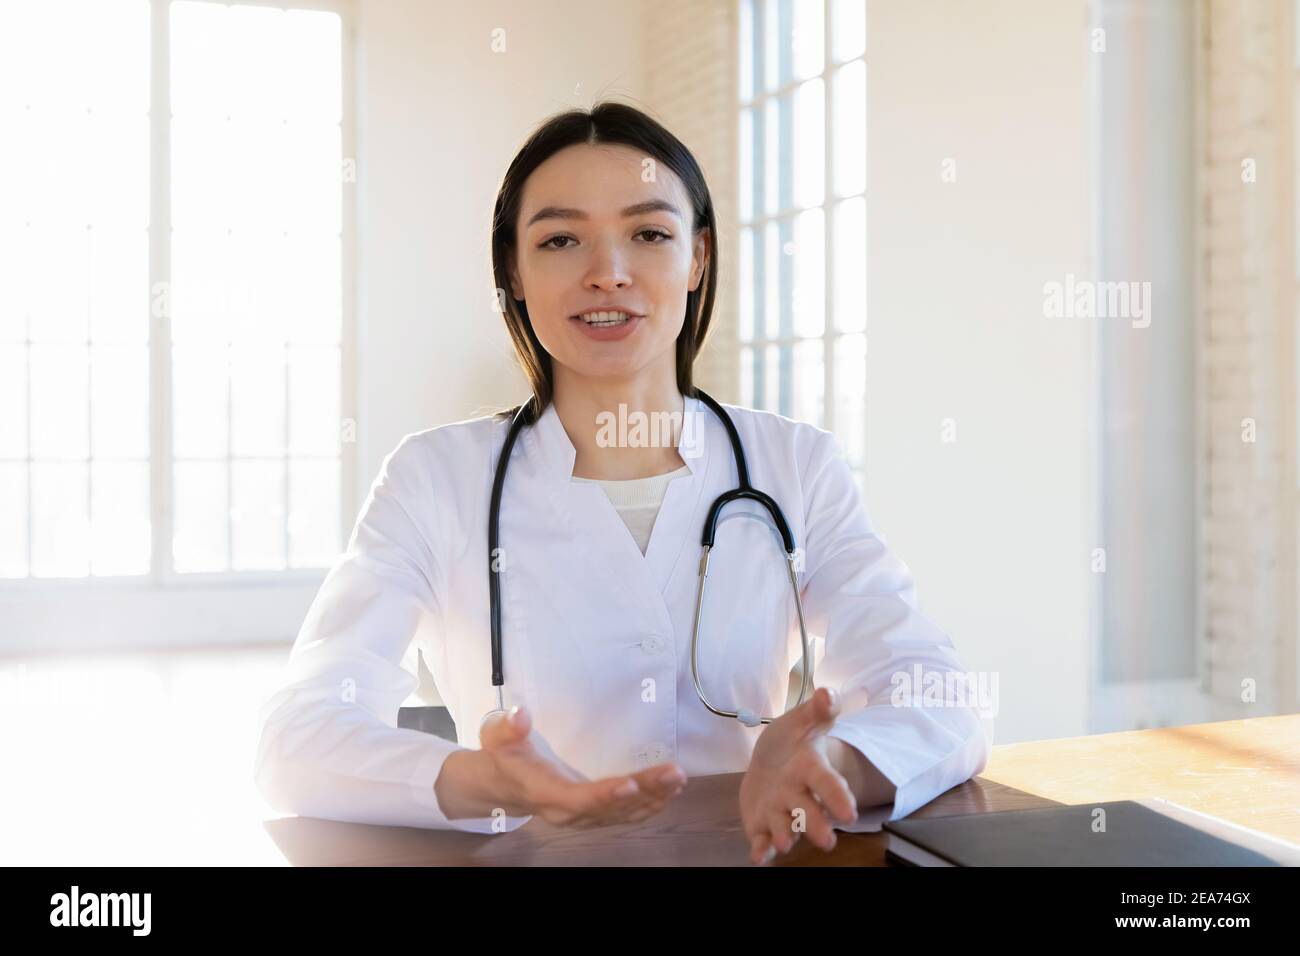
(605, 320)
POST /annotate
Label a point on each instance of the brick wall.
(690, 59)
(1247, 290)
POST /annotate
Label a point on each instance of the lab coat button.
(652, 645)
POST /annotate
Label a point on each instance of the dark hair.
(611, 123)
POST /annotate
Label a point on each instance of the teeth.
(605, 318)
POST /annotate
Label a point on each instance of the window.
(803, 214)
(171, 300)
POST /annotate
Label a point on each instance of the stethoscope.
(743, 490)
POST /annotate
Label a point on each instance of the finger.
(830, 787)
(604, 801)
(823, 708)
(502, 730)
(817, 825)
(781, 825)
(760, 849)
(661, 779)
(646, 804)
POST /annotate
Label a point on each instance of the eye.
(655, 232)
(547, 243)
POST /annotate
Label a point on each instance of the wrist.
(462, 787)
(869, 786)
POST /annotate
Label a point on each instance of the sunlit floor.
(134, 759)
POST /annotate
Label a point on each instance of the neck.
(637, 441)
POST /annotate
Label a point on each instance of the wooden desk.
(1247, 771)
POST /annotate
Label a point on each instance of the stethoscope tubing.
(526, 415)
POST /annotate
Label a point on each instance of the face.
(593, 233)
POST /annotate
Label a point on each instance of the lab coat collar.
(585, 511)
(553, 445)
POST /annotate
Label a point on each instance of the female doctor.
(604, 249)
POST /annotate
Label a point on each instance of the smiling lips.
(608, 325)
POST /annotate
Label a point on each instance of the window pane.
(314, 401)
(257, 401)
(58, 293)
(746, 155)
(15, 246)
(257, 519)
(202, 171)
(200, 513)
(119, 285)
(809, 294)
(120, 401)
(810, 382)
(313, 289)
(13, 520)
(772, 265)
(776, 53)
(259, 87)
(199, 415)
(809, 144)
(200, 41)
(767, 379)
(256, 171)
(60, 422)
(746, 284)
(313, 513)
(311, 173)
(849, 29)
(13, 401)
(850, 396)
(256, 303)
(773, 156)
(850, 274)
(808, 39)
(198, 291)
(117, 170)
(60, 529)
(119, 517)
(56, 143)
(747, 376)
(110, 49)
(849, 135)
(314, 77)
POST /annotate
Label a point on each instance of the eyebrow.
(637, 209)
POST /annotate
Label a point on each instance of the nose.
(607, 269)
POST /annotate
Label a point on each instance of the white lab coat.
(597, 635)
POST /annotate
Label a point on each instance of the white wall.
(993, 525)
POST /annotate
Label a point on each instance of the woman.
(604, 249)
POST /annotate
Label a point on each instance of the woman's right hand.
(516, 770)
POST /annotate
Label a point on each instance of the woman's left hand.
(791, 781)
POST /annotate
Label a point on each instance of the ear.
(699, 259)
